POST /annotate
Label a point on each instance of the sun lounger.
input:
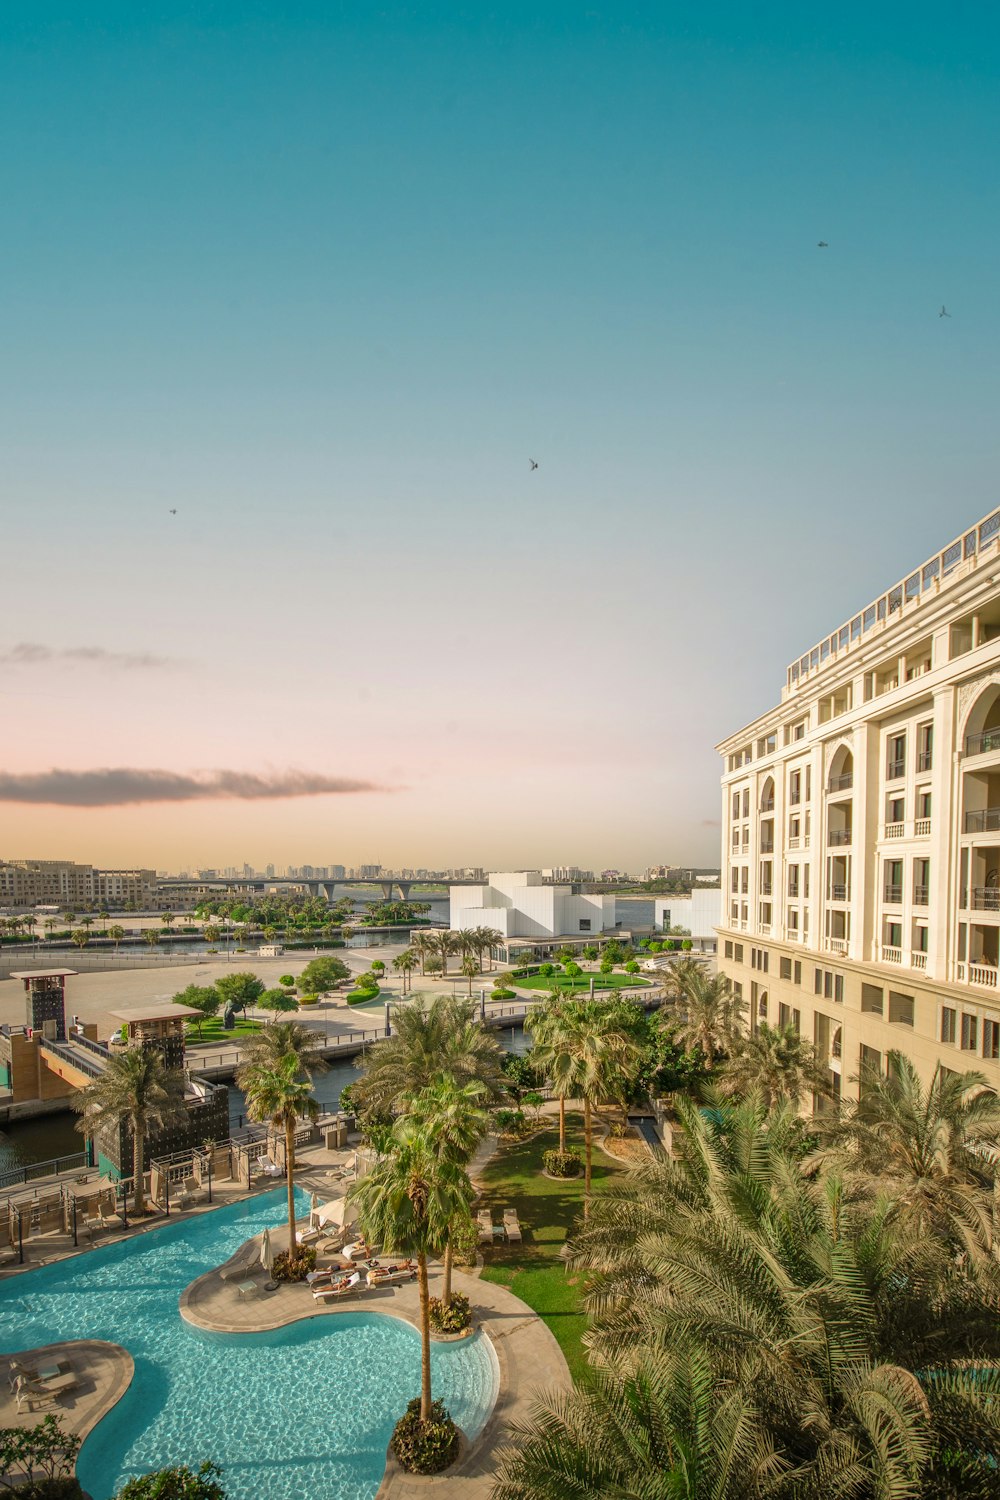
(18, 1371)
(241, 1264)
(358, 1250)
(389, 1275)
(342, 1288)
(512, 1225)
(38, 1393)
(308, 1236)
(485, 1222)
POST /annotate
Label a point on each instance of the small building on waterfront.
(522, 905)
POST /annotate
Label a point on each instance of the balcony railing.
(925, 760)
(983, 820)
(841, 783)
(768, 806)
(895, 830)
(836, 1047)
(922, 828)
(835, 945)
(894, 894)
(891, 955)
(794, 841)
(767, 848)
(921, 895)
(838, 837)
(792, 935)
(983, 898)
(918, 959)
(895, 769)
(764, 928)
(984, 975)
(838, 893)
(982, 744)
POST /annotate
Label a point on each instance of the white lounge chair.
(389, 1275)
(43, 1393)
(485, 1222)
(342, 1288)
(241, 1264)
(512, 1226)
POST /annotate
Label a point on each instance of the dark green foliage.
(503, 995)
(45, 1451)
(518, 1072)
(180, 1483)
(562, 1163)
(295, 1266)
(509, 1121)
(453, 1318)
(323, 974)
(425, 1447)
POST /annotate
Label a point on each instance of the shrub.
(180, 1483)
(562, 1163)
(308, 999)
(573, 970)
(687, 945)
(534, 1100)
(464, 1237)
(287, 979)
(547, 970)
(37, 1462)
(606, 966)
(294, 1265)
(503, 995)
(631, 967)
(509, 1121)
(453, 1318)
(656, 946)
(425, 1447)
(323, 974)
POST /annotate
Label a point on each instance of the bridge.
(319, 886)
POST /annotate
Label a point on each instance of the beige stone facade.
(861, 829)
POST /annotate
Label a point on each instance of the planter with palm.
(139, 1091)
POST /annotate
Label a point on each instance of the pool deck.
(104, 1372)
(530, 1360)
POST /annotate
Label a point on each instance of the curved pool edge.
(107, 1370)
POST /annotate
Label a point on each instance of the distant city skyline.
(296, 296)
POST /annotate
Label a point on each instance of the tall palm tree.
(116, 933)
(470, 968)
(278, 1094)
(430, 1040)
(405, 1204)
(601, 1051)
(669, 1430)
(488, 938)
(706, 1012)
(137, 1088)
(776, 1063)
(552, 1053)
(443, 944)
(404, 963)
(422, 944)
(275, 1072)
(456, 1122)
(935, 1149)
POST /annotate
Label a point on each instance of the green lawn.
(213, 1031)
(566, 982)
(547, 1211)
(362, 997)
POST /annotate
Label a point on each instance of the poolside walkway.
(104, 1372)
(530, 1360)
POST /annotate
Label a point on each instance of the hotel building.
(861, 830)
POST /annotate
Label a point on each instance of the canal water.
(56, 1135)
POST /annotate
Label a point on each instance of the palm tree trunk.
(290, 1182)
(587, 1140)
(446, 1283)
(138, 1167)
(562, 1122)
(425, 1338)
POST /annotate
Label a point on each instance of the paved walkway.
(528, 1356)
(104, 1372)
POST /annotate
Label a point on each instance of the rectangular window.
(584, 924)
(828, 986)
(991, 1039)
(737, 991)
(793, 882)
(735, 880)
(738, 953)
(795, 789)
(746, 802)
(871, 999)
(817, 981)
(900, 1009)
(838, 988)
(798, 971)
(785, 968)
(948, 1019)
(728, 948)
(970, 1030)
(784, 1014)
(736, 804)
(896, 763)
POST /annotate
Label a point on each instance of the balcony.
(744, 848)
(768, 806)
(836, 1048)
(983, 820)
(921, 895)
(895, 830)
(894, 894)
(918, 959)
(767, 848)
(839, 838)
(792, 935)
(925, 760)
(764, 928)
(984, 975)
(891, 955)
(895, 769)
(922, 828)
(836, 945)
(982, 898)
(982, 744)
(839, 893)
(794, 842)
(841, 783)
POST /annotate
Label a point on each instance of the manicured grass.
(213, 1030)
(566, 982)
(361, 997)
(547, 1211)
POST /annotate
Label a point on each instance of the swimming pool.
(299, 1411)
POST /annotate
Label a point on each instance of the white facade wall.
(520, 905)
(700, 912)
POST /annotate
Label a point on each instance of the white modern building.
(861, 829)
(521, 904)
(700, 913)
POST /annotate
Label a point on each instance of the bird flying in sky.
(944, 313)
(532, 463)
(822, 245)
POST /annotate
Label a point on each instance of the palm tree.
(430, 1041)
(935, 1149)
(707, 1013)
(405, 1204)
(81, 937)
(404, 963)
(488, 938)
(551, 1052)
(776, 1063)
(443, 943)
(211, 933)
(137, 1088)
(470, 968)
(669, 1430)
(151, 937)
(50, 924)
(422, 944)
(456, 1123)
(275, 1073)
(600, 1052)
(116, 933)
(167, 918)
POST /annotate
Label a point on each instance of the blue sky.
(322, 278)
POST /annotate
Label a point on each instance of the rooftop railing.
(896, 601)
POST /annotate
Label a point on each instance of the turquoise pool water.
(305, 1410)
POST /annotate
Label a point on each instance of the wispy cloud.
(33, 654)
(121, 786)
